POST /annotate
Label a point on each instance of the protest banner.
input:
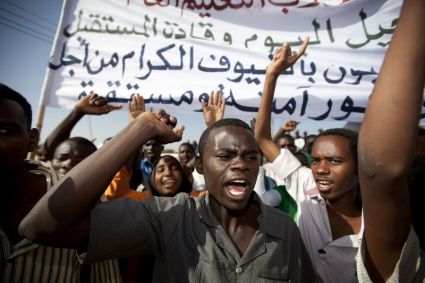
(175, 52)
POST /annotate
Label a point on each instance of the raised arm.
(92, 104)
(61, 217)
(136, 106)
(214, 109)
(384, 156)
(287, 126)
(282, 59)
(119, 187)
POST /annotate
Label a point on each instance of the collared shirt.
(146, 167)
(334, 260)
(192, 246)
(287, 170)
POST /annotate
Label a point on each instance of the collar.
(267, 221)
(10, 252)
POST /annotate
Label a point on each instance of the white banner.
(175, 52)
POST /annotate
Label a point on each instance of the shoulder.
(43, 168)
(276, 214)
(277, 223)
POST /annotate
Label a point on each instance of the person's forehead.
(331, 144)
(167, 161)
(152, 142)
(185, 148)
(285, 140)
(231, 134)
(73, 146)
(12, 113)
(64, 147)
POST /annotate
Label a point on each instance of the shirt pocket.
(208, 272)
(270, 277)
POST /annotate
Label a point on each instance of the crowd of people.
(242, 205)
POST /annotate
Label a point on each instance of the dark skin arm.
(282, 59)
(396, 100)
(286, 127)
(136, 106)
(92, 104)
(61, 217)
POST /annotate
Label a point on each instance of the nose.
(69, 163)
(167, 171)
(322, 167)
(238, 163)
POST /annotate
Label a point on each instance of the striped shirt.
(30, 262)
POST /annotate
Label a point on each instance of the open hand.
(136, 106)
(284, 58)
(214, 109)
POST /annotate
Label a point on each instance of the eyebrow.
(15, 127)
(10, 124)
(249, 151)
(329, 156)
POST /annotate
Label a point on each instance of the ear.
(198, 164)
(34, 137)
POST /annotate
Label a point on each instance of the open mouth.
(237, 188)
(168, 183)
(323, 185)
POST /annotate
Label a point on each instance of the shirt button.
(239, 270)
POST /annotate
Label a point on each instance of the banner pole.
(46, 88)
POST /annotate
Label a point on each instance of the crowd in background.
(242, 204)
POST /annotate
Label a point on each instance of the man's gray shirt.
(192, 246)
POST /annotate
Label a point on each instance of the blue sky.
(27, 30)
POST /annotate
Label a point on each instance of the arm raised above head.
(61, 217)
(384, 155)
(282, 59)
(92, 104)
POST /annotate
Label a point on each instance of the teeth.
(324, 185)
(169, 182)
(236, 193)
(237, 187)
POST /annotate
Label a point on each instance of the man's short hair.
(221, 123)
(188, 145)
(10, 94)
(285, 136)
(350, 135)
(83, 141)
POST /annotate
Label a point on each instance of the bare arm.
(282, 60)
(288, 126)
(119, 187)
(92, 104)
(61, 217)
(136, 106)
(384, 156)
